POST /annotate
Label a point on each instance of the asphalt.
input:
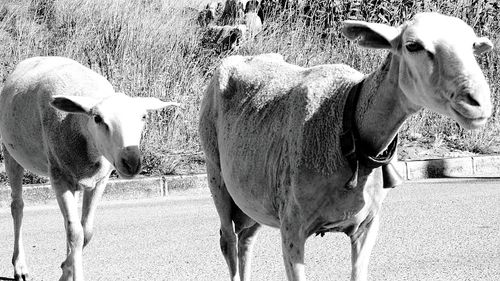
(439, 230)
(154, 187)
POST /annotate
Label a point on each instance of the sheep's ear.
(154, 103)
(73, 104)
(372, 35)
(482, 45)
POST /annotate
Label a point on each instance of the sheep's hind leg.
(224, 204)
(15, 174)
(247, 230)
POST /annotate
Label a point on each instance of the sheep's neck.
(92, 153)
(382, 107)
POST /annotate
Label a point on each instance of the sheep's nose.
(471, 100)
(478, 103)
(130, 160)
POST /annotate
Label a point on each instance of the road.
(431, 230)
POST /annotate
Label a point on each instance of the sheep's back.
(274, 117)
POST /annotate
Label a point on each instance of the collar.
(352, 146)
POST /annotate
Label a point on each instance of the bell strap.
(351, 147)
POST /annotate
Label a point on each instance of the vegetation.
(152, 47)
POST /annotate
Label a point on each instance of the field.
(151, 48)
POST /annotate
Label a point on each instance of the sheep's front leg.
(362, 243)
(91, 199)
(293, 245)
(72, 267)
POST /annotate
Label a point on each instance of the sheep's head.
(437, 67)
(115, 123)
(252, 6)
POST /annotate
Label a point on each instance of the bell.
(391, 176)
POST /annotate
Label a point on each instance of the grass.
(151, 48)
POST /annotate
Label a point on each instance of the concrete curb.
(141, 187)
(148, 187)
(460, 167)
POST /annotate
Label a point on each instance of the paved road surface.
(439, 230)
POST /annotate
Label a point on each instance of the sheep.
(62, 120)
(237, 25)
(223, 38)
(253, 18)
(206, 16)
(307, 150)
(232, 14)
(210, 14)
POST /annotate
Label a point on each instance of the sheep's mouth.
(124, 174)
(466, 120)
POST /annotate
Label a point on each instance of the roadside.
(166, 186)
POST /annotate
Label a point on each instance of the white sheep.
(252, 19)
(62, 120)
(301, 149)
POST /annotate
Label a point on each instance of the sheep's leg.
(246, 239)
(223, 204)
(91, 199)
(15, 174)
(362, 243)
(293, 245)
(72, 267)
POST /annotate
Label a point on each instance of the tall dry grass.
(151, 48)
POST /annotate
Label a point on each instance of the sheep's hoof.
(67, 274)
(66, 277)
(21, 277)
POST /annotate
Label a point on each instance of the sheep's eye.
(413, 47)
(144, 117)
(97, 119)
